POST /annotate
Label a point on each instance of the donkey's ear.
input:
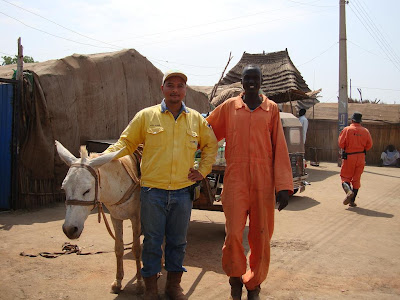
(104, 158)
(65, 155)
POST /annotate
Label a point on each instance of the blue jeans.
(164, 213)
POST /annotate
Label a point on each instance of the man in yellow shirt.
(171, 133)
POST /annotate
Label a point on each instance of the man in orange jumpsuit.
(355, 140)
(257, 166)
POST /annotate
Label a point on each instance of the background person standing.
(171, 134)
(257, 165)
(355, 141)
(304, 122)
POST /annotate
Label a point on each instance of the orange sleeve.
(282, 168)
(342, 138)
(217, 121)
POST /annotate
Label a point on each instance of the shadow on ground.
(49, 213)
(297, 203)
(320, 173)
(380, 174)
(369, 212)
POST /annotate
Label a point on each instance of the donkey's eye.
(86, 192)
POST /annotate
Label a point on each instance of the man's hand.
(283, 199)
(194, 175)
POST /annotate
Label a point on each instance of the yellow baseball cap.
(172, 73)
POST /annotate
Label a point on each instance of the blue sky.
(197, 36)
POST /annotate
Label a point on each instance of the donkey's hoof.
(116, 286)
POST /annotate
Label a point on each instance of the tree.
(8, 60)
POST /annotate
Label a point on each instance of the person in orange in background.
(257, 166)
(355, 141)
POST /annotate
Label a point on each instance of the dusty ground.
(321, 249)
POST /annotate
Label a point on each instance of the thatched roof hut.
(282, 81)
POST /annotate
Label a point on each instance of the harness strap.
(96, 176)
(79, 202)
(105, 220)
(126, 162)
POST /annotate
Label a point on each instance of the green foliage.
(8, 60)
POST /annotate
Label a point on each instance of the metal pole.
(343, 98)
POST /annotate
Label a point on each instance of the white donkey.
(96, 180)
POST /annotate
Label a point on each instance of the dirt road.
(321, 249)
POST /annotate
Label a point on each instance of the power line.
(169, 31)
(232, 28)
(57, 36)
(85, 36)
(378, 32)
(114, 47)
(375, 36)
(225, 20)
(335, 43)
(368, 51)
(375, 88)
(309, 3)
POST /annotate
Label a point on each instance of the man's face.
(251, 80)
(174, 90)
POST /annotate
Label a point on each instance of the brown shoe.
(349, 197)
(236, 288)
(151, 292)
(349, 193)
(352, 204)
(254, 294)
(173, 288)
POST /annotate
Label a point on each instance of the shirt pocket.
(192, 139)
(155, 136)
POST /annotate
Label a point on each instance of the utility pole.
(343, 97)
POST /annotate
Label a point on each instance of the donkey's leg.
(136, 250)
(119, 252)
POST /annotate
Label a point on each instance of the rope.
(67, 248)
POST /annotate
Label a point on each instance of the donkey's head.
(80, 187)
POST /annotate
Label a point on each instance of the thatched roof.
(225, 92)
(383, 113)
(281, 79)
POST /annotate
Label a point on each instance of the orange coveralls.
(354, 138)
(257, 165)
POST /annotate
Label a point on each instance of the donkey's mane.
(84, 154)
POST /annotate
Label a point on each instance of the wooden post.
(15, 201)
(214, 90)
(290, 100)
